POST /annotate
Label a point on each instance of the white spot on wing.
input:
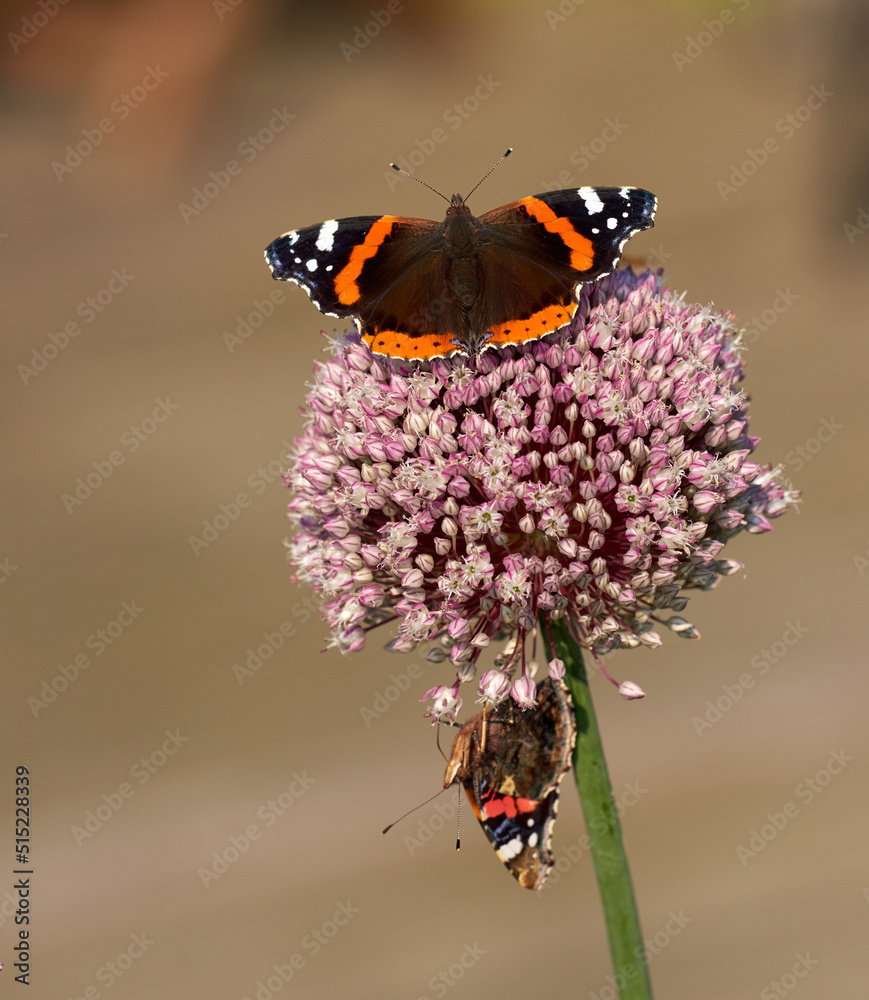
(532, 840)
(591, 198)
(311, 264)
(612, 223)
(326, 236)
(510, 850)
(625, 192)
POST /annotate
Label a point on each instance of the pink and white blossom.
(594, 475)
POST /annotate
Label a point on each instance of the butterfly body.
(510, 763)
(418, 289)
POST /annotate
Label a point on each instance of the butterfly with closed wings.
(511, 762)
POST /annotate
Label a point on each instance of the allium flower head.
(595, 474)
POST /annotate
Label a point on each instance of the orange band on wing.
(581, 249)
(544, 321)
(345, 281)
(400, 345)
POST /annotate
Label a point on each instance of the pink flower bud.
(524, 692)
(458, 628)
(556, 669)
(494, 686)
(629, 691)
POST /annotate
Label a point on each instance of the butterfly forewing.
(576, 234)
(346, 264)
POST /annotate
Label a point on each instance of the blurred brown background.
(188, 373)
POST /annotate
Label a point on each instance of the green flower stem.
(602, 825)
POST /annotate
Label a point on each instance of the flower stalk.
(602, 822)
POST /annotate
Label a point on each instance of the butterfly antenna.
(409, 811)
(480, 181)
(395, 166)
(458, 820)
(454, 725)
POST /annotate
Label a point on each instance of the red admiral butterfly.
(511, 764)
(419, 289)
